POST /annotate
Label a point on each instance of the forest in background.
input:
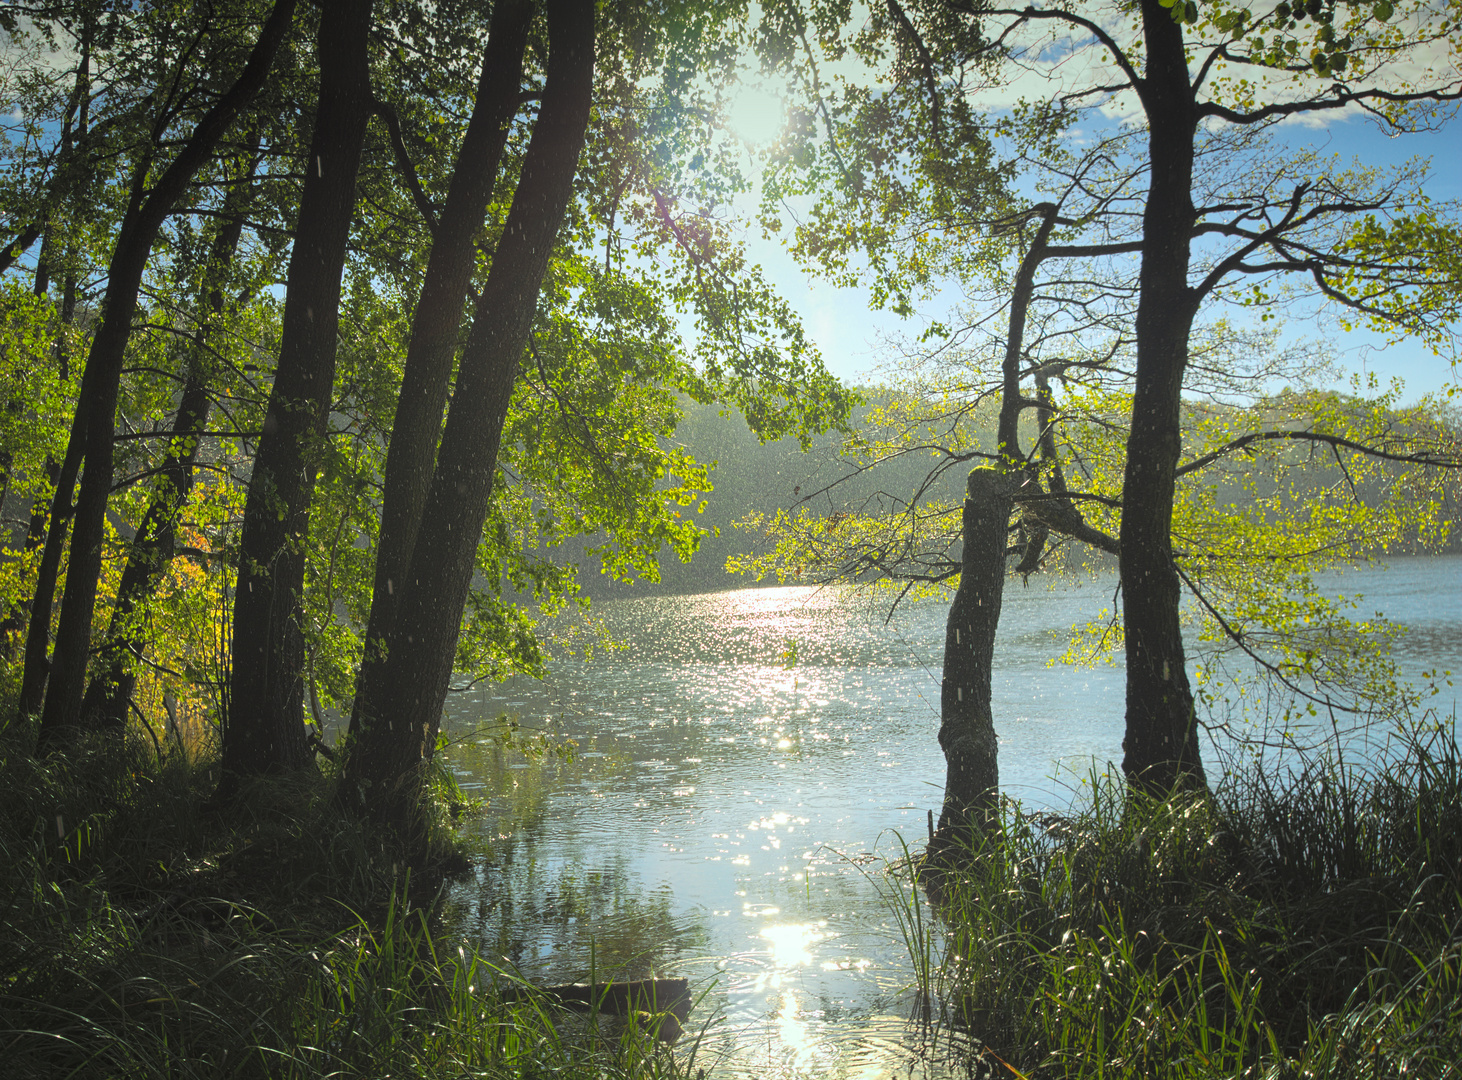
(751, 478)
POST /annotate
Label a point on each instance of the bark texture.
(397, 735)
(1161, 746)
(265, 731)
(97, 402)
(436, 327)
(967, 726)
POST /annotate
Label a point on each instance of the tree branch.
(1333, 441)
(387, 112)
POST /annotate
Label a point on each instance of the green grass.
(145, 934)
(1308, 925)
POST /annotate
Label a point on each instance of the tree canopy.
(329, 325)
(241, 231)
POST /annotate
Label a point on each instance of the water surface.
(743, 766)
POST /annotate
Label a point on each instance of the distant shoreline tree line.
(751, 481)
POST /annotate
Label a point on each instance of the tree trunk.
(265, 731)
(437, 323)
(105, 702)
(967, 723)
(19, 246)
(100, 384)
(38, 632)
(967, 726)
(1161, 744)
(398, 734)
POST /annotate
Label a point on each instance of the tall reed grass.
(1300, 922)
(144, 934)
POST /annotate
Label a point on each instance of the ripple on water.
(716, 817)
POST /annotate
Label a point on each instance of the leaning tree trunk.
(1161, 744)
(435, 328)
(100, 385)
(152, 549)
(265, 731)
(37, 666)
(967, 726)
(384, 773)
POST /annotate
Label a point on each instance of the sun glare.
(756, 116)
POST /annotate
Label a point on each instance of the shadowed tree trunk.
(265, 730)
(967, 726)
(97, 401)
(395, 738)
(73, 129)
(153, 548)
(1161, 744)
(40, 532)
(437, 323)
(35, 535)
(19, 246)
(58, 522)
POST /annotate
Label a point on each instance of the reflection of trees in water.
(516, 779)
(545, 917)
(556, 922)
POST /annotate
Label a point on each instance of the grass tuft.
(1298, 924)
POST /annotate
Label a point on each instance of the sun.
(755, 115)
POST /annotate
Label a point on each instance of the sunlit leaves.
(1403, 273)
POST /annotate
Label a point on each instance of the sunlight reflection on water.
(717, 818)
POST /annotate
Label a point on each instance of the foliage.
(1272, 497)
(919, 168)
(590, 454)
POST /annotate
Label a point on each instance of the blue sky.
(854, 340)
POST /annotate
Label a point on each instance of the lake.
(743, 766)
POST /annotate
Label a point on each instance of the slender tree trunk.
(1161, 744)
(398, 735)
(1008, 425)
(35, 535)
(967, 722)
(265, 731)
(111, 688)
(436, 327)
(967, 725)
(46, 525)
(36, 672)
(100, 384)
